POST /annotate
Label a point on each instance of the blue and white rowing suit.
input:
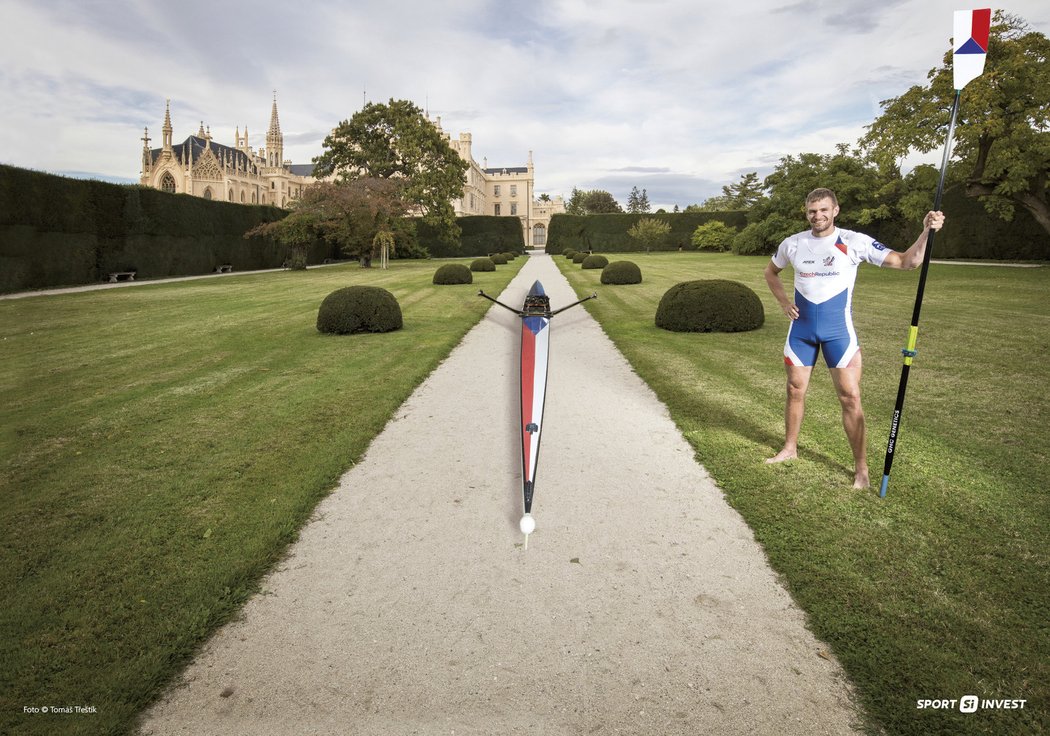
(825, 271)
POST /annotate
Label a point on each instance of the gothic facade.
(204, 168)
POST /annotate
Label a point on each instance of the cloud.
(677, 97)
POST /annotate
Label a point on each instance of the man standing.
(825, 260)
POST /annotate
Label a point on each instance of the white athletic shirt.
(825, 267)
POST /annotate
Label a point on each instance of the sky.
(676, 97)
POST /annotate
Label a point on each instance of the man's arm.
(772, 274)
(912, 258)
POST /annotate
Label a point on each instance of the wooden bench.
(224, 268)
(122, 276)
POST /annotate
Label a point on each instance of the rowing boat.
(535, 316)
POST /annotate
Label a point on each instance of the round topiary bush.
(569, 253)
(578, 257)
(482, 264)
(510, 256)
(453, 273)
(499, 258)
(595, 261)
(359, 309)
(711, 305)
(622, 272)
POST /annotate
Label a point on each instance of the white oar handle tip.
(527, 525)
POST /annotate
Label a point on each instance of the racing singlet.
(825, 271)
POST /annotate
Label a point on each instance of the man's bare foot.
(783, 455)
(861, 481)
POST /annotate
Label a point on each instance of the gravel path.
(643, 604)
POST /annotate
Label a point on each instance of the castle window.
(496, 213)
(514, 190)
(513, 208)
(495, 191)
(207, 193)
(167, 184)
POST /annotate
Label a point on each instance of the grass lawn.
(942, 589)
(161, 445)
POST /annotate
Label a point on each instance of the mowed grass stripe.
(941, 589)
(161, 447)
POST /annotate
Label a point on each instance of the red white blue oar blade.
(970, 44)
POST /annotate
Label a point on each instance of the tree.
(746, 193)
(383, 244)
(643, 202)
(396, 141)
(591, 202)
(743, 195)
(297, 231)
(362, 216)
(1002, 139)
(632, 201)
(638, 202)
(713, 235)
(649, 232)
(862, 187)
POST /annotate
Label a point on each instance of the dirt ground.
(643, 604)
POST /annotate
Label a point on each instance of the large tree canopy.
(362, 217)
(591, 202)
(396, 141)
(1002, 139)
(740, 196)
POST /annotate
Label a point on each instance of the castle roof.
(194, 147)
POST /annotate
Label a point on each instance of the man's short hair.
(822, 193)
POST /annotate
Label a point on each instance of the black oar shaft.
(913, 334)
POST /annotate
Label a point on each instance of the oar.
(970, 44)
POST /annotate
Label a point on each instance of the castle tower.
(274, 139)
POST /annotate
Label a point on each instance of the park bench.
(122, 276)
(224, 268)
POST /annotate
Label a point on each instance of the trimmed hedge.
(710, 305)
(608, 233)
(480, 235)
(482, 264)
(970, 231)
(56, 231)
(622, 272)
(359, 309)
(595, 261)
(453, 273)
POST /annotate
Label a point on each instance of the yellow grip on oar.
(913, 337)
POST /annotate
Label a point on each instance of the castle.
(203, 168)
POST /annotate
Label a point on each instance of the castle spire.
(275, 125)
(166, 130)
(274, 139)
